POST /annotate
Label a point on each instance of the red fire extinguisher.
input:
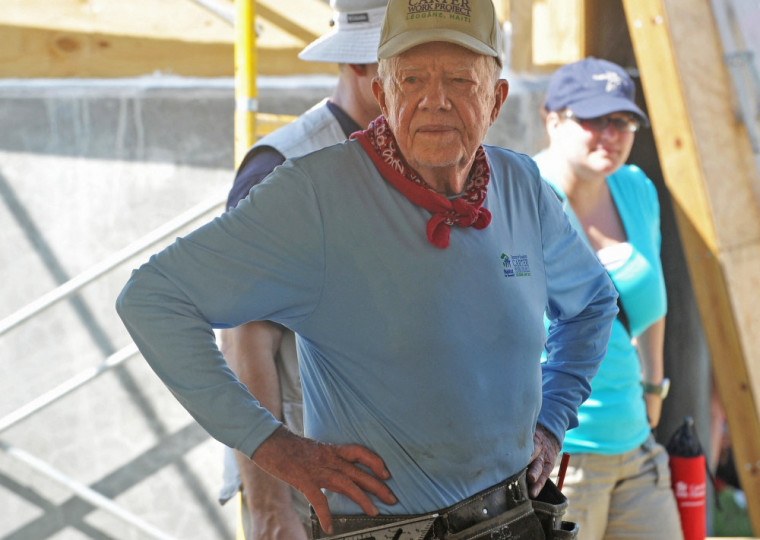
(688, 479)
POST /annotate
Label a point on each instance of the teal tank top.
(613, 420)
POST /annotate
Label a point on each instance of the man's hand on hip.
(311, 466)
(546, 448)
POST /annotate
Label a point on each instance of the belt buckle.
(408, 529)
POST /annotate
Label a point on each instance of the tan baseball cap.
(470, 23)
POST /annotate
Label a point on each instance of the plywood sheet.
(704, 158)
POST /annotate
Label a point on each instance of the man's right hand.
(311, 466)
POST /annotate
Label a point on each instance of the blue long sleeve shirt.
(429, 357)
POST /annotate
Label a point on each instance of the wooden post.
(558, 33)
(521, 17)
(707, 163)
(545, 33)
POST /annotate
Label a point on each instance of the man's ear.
(360, 70)
(379, 93)
(501, 90)
(552, 120)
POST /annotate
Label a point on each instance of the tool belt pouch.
(549, 507)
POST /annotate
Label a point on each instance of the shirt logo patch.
(515, 266)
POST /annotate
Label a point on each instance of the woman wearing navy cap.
(618, 479)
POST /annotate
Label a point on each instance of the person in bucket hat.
(263, 354)
(617, 479)
(354, 35)
(414, 263)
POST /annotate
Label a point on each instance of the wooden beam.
(707, 163)
(48, 53)
(521, 17)
(545, 33)
(171, 19)
(303, 20)
(558, 33)
(110, 38)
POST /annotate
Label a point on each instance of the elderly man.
(415, 265)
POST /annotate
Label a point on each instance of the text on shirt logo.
(515, 266)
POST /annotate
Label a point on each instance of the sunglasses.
(628, 124)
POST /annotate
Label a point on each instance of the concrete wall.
(86, 168)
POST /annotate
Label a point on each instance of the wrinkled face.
(439, 100)
(590, 152)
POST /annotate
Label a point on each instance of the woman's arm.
(650, 348)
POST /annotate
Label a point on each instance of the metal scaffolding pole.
(65, 388)
(84, 492)
(72, 286)
(246, 93)
(744, 76)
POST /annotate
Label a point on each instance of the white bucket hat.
(355, 34)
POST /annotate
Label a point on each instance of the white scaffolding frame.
(743, 69)
(81, 379)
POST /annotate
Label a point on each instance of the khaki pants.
(244, 515)
(286, 362)
(619, 496)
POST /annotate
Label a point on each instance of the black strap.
(623, 316)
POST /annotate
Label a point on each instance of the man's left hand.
(545, 451)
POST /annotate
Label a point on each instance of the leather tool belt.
(501, 511)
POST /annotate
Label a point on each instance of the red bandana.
(464, 211)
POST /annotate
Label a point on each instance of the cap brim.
(406, 40)
(593, 108)
(344, 47)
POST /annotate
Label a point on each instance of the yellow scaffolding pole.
(249, 122)
(246, 93)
